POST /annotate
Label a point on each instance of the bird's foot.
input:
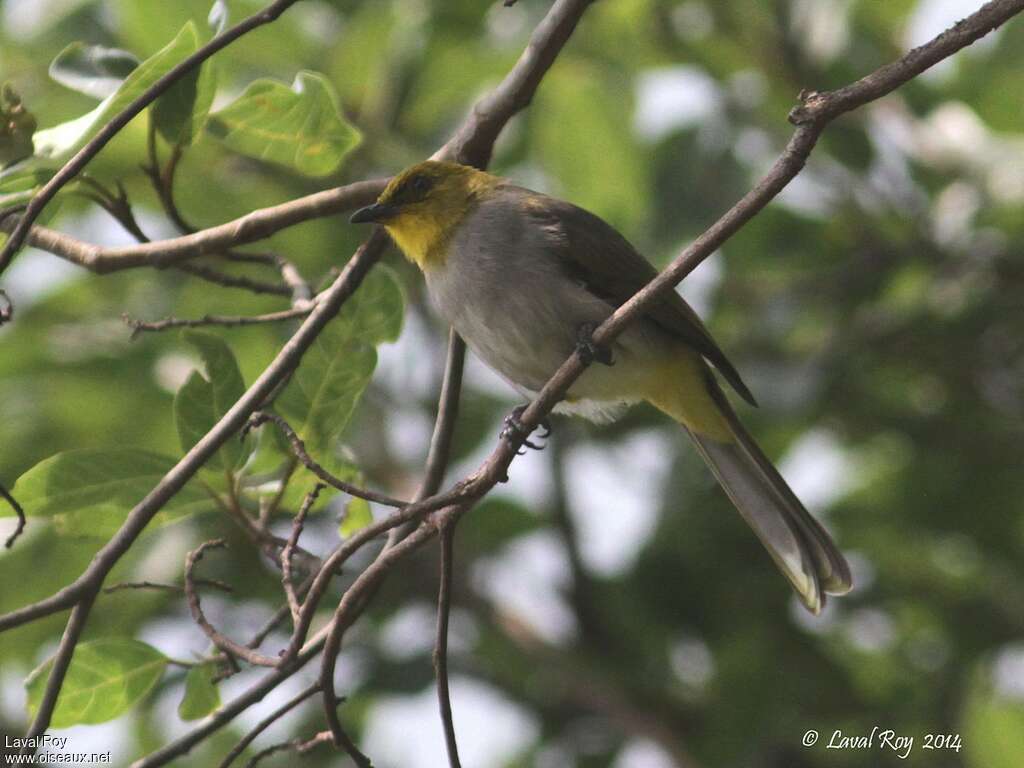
(590, 351)
(515, 432)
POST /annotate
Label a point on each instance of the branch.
(302, 746)
(228, 321)
(217, 277)
(346, 613)
(142, 585)
(265, 723)
(447, 413)
(473, 142)
(55, 681)
(444, 605)
(226, 644)
(120, 120)
(822, 108)
(254, 226)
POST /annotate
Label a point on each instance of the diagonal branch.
(266, 722)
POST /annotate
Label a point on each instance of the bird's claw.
(590, 351)
(515, 432)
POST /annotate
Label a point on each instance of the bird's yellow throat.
(423, 237)
(424, 230)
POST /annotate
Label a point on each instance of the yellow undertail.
(679, 388)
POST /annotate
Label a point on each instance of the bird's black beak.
(376, 212)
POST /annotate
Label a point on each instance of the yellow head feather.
(430, 199)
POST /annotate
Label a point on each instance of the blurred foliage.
(876, 307)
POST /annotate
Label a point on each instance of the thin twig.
(447, 413)
(17, 511)
(155, 585)
(299, 450)
(301, 746)
(226, 644)
(82, 158)
(266, 722)
(444, 606)
(217, 277)
(289, 549)
(227, 321)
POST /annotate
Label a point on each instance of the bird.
(524, 278)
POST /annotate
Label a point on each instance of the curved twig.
(299, 449)
(226, 644)
(289, 549)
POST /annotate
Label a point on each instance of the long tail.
(799, 545)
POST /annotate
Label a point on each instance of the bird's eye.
(420, 185)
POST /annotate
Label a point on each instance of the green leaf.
(179, 115)
(202, 401)
(323, 392)
(89, 490)
(300, 127)
(53, 146)
(92, 69)
(375, 312)
(201, 693)
(105, 678)
(357, 516)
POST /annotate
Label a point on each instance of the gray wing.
(595, 254)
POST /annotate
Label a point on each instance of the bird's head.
(421, 207)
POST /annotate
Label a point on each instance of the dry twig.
(223, 642)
